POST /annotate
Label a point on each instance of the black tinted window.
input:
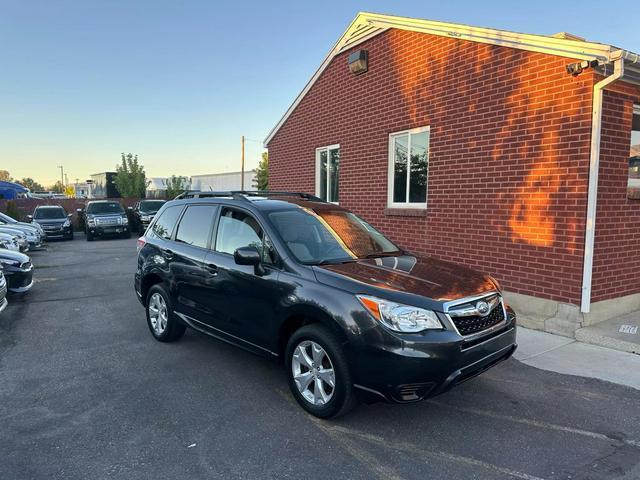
(195, 225)
(150, 205)
(163, 227)
(49, 213)
(104, 207)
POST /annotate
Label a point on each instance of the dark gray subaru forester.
(350, 314)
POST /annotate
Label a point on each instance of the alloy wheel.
(313, 373)
(158, 313)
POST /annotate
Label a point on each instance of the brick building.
(502, 151)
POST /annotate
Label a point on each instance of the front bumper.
(3, 295)
(108, 230)
(19, 280)
(64, 232)
(401, 369)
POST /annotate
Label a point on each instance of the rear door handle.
(168, 254)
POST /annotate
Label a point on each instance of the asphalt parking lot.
(85, 392)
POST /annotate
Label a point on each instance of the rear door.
(190, 244)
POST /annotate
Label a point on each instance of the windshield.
(331, 236)
(106, 207)
(49, 213)
(151, 205)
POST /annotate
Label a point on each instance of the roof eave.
(367, 25)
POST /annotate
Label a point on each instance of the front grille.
(471, 324)
(107, 221)
(3, 290)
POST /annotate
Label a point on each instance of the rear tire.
(162, 322)
(314, 358)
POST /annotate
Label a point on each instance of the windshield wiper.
(396, 253)
(334, 261)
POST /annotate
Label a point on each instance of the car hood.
(15, 231)
(425, 276)
(20, 225)
(15, 256)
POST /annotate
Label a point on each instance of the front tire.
(318, 373)
(89, 237)
(161, 320)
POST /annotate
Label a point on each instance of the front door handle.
(212, 268)
(168, 254)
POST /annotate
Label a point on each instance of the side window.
(238, 229)
(195, 225)
(163, 226)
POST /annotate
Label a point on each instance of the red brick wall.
(616, 266)
(509, 153)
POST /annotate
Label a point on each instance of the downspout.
(594, 166)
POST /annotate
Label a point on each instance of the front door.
(242, 303)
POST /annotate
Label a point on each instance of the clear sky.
(178, 82)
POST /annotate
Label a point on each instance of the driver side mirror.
(30, 217)
(249, 256)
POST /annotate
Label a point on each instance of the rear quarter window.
(166, 222)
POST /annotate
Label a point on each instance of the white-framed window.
(408, 168)
(633, 185)
(328, 173)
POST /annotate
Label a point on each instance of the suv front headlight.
(399, 317)
(124, 220)
(66, 224)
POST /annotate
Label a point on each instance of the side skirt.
(224, 336)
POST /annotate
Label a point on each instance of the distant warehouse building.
(223, 181)
(103, 185)
(484, 147)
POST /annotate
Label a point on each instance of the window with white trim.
(408, 168)
(327, 173)
(633, 185)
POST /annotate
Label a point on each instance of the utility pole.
(242, 167)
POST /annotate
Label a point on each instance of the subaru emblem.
(482, 307)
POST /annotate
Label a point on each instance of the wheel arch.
(148, 281)
(297, 318)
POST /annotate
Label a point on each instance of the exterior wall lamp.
(358, 62)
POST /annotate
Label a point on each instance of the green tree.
(175, 186)
(131, 180)
(57, 187)
(261, 181)
(31, 184)
(5, 176)
(12, 210)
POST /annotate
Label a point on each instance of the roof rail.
(278, 193)
(243, 194)
(203, 194)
